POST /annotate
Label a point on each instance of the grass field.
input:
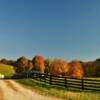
(6, 69)
(67, 94)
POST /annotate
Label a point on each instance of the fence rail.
(67, 82)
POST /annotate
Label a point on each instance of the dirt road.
(10, 90)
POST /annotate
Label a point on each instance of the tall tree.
(75, 69)
(38, 62)
(59, 67)
(23, 64)
(48, 63)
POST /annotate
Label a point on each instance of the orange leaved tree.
(38, 63)
(75, 69)
(59, 67)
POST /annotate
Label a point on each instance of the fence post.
(40, 77)
(65, 81)
(50, 79)
(45, 78)
(27, 75)
(82, 83)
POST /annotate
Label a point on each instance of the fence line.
(63, 81)
(67, 82)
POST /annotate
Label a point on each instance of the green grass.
(67, 94)
(6, 69)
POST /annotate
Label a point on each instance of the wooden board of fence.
(67, 82)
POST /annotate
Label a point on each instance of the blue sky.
(68, 29)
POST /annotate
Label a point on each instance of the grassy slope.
(6, 69)
(46, 89)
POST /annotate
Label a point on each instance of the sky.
(68, 29)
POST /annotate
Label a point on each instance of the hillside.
(6, 69)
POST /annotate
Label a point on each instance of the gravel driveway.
(10, 90)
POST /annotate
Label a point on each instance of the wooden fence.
(67, 82)
(62, 81)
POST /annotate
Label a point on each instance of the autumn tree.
(89, 68)
(59, 67)
(29, 66)
(4, 61)
(11, 62)
(23, 64)
(38, 62)
(48, 63)
(75, 69)
(97, 68)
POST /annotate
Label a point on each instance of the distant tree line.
(56, 66)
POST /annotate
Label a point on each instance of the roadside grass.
(64, 93)
(6, 69)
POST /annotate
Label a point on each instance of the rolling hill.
(6, 69)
